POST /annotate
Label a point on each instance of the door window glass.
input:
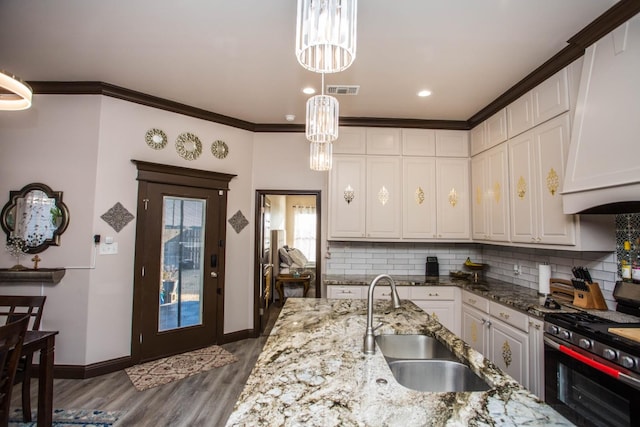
(181, 274)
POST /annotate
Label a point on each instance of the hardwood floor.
(205, 399)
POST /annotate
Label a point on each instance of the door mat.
(174, 368)
(70, 418)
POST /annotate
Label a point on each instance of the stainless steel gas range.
(592, 363)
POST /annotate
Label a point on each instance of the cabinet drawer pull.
(472, 301)
(504, 315)
(433, 295)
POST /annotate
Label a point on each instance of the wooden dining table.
(43, 341)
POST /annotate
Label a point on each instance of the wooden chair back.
(11, 338)
(13, 307)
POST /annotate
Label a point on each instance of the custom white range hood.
(603, 167)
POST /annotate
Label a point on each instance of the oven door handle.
(621, 376)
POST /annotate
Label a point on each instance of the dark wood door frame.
(257, 246)
(186, 177)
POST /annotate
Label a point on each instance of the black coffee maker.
(432, 268)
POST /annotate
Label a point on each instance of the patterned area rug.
(70, 418)
(163, 371)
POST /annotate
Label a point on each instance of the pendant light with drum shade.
(15, 94)
(325, 43)
(321, 129)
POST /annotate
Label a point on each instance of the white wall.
(55, 143)
(83, 146)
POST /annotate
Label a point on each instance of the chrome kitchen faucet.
(369, 338)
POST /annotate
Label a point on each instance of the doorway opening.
(287, 223)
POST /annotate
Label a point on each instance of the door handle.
(214, 274)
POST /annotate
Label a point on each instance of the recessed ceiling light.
(309, 90)
(290, 117)
(424, 93)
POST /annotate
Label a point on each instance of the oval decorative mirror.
(36, 215)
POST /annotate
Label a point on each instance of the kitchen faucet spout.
(369, 338)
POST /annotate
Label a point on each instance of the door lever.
(214, 274)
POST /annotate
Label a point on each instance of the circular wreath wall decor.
(156, 139)
(188, 146)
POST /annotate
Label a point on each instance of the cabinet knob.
(433, 295)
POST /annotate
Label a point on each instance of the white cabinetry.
(419, 197)
(452, 198)
(544, 102)
(489, 198)
(418, 142)
(440, 302)
(509, 341)
(351, 140)
(536, 169)
(536, 357)
(475, 315)
(345, 292)
(347, 184)
(499, 333)
(383, 141)
(383, 197)
(452, 143)
(489, 133)
(365, 197)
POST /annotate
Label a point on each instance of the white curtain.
(304, 230)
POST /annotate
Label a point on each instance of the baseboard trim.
(79, 372)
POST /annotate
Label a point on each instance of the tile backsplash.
(409, 259)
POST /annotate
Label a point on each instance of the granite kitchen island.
(312, 372)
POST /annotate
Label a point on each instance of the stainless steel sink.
(436, 376)
(413, 347)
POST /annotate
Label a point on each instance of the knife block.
(591, 297)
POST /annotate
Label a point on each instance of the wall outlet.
(108, 248)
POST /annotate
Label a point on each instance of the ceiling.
(236, 58)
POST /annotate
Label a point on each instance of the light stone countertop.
(312, 372)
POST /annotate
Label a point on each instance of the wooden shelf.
(41, 275)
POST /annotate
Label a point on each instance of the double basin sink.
(422, 363)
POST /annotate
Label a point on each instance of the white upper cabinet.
(520, 115)
(418, 142)
(419, 197)
(490, 195)
(384, 197)
(546, 101)
(497, 128)
(384, 141)
(347, 186)
(551, 98)
(351, 140)
(452, 143)
(537, 161)
(452, 198)
(489, 133)
(478, 138)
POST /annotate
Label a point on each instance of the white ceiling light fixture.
(308, 90)
(322, 129)
(424, 93)
(320, 156)
(326, 34)
(322, 117)
(17, 94)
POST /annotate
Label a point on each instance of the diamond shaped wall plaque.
(238, 221)
(117, 217)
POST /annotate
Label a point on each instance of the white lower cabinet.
(499, 333)
(344, 292)
(509, 341)
(440, 302)
(536, 357)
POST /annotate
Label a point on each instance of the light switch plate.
(109, 248)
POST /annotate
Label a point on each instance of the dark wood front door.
(179, 286)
